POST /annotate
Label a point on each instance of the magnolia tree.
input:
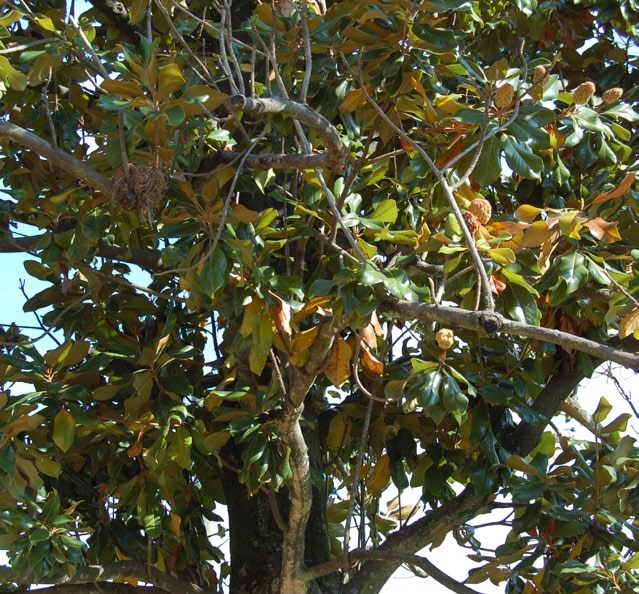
(299, 257)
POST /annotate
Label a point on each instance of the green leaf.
(488, 169)
(179, 449)
(64, 430)
(213, 273)
(429, 389)
(39, 535)
(521, 159)
(386, 211)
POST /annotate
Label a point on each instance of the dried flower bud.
(540, 76)
(445, 338)
(583, 93)
(472, 221)
(481, 209)
(612, 95)
(504, 95)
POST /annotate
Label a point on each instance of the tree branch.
(492, 322)
(336, 153)
(395, 556)
(94, 574)
(414, 537)
(148, 259)
(57, 156)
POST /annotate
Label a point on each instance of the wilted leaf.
(338, 364)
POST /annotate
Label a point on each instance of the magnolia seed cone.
(504, 95)
(445, 338)
(583, 93)
(612, 95)
(482, 209)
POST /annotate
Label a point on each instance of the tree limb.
(414, 537)
(396, 556)
(94, 574)
(148, 259)
(492, 322)
(336, 153)
(57, 156)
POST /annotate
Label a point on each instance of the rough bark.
(255, 538)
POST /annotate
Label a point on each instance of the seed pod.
(472, 221)
(612, 95)
(540, 76)
(583, 93)
(445, 338)
(504, 95)
(481, 209)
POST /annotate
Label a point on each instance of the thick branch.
(57, 156)
(394, 556)
(300, 491)
(558, 388)
(414, 537)
(148, 259)
(95, 574)
(268, 161)
(336, 153)
(492, 322)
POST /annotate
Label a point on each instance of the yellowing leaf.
(447, 104)
(124, 88)
(171, 80)
(137, 11)
(518, 463)
(338, 430)
(629, 325)
(527, 213)
(251, 317)
(24, 423)
(338, 365)
(353, 100)
(14, 78)
(537, 234)
(203, 96)
(64, 430)
(380, 477)
(219, 178)
(241, 214)
(261, 346)
(315, 305)
(302, 341)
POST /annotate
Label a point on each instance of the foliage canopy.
(301, 257)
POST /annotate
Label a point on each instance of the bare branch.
(378, 555)
(492, 322)
(57, 156)
(337, 153)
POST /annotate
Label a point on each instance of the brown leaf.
(629, 324)
(281, 314)
(353, 100)
(603, 230)
(369, 338)
(136, 448)
(338, 365)
(315, 305)
(618, 192)
(370, 362)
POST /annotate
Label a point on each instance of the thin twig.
(46, 330)
(308, 54)
(359, 462)
(469, 239)
(26, 45)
